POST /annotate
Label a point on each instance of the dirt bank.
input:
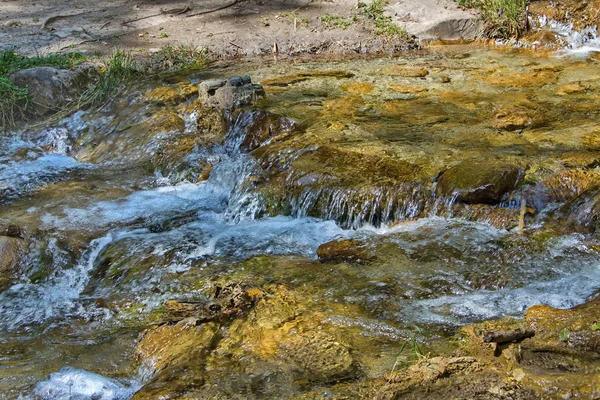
(223, 27)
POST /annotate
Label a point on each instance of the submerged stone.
(341, 250)
(479, 182)
(405, 71)
(305, 75)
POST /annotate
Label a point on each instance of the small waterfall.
(577, 42)
(353, 208)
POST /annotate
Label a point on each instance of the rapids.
(112, 233)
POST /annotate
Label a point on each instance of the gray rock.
(49, 88)
(227, 94)
(434, 19)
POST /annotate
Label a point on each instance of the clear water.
(112, 241)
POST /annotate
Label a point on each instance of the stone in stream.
(226, 94)
(11, 250)
(479, 182)
(583, 213)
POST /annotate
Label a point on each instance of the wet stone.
(11, 250)
(479, 182)
(227, 94)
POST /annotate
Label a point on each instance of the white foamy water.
(579, 43)
(570, 289)
(77, 384)
(29, 304)
(29, 174)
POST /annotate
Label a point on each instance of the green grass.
(174, 58)
(334, 21)
(503, 18)
(14, 101)
(383, 24)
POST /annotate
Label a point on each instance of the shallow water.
(112, 239)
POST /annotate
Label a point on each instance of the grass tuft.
(503, 18)
(383, 24)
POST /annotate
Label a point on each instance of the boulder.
(11, 249)
(176, 354)
(435, 19)
(48, 87)
(226, 94)
(476, 182)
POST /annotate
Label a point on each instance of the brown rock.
(11, 250)
(48, 87)
(347, 249)
(405, 71)
(258, 127)
(479, 182)
(515, 117)
(357, 88)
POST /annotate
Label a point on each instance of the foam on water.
(579, 43)
(77, 384)
(29, 174)
(569, 290)
(28, 304)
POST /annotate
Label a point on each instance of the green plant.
(412, 345)
(595, 327)
(179, 57)
(503, 18)
(334, 20)
(383, 24)
(164, 35)
(563, 335)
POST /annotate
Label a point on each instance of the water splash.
(72, 383)
(29, 305)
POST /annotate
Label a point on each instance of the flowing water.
(112, 236)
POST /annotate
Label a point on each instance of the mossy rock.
(342, 250)
(176, 354)
(576, 328)
(171, 95)
(537, 78)
(337, 167)
(357, 88)
(474, 182)
(405, 71)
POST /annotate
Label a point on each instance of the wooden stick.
(508, 336)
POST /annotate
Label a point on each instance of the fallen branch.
(172, 12)
(55, 18)
(214, 10)
(508, 336)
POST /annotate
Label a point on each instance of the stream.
(127, 208)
